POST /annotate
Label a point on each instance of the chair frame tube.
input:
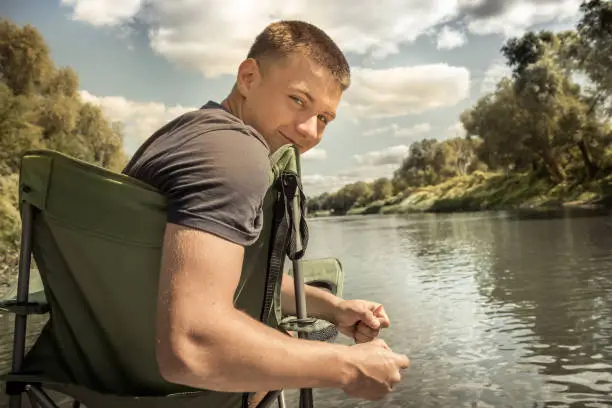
(35, 394)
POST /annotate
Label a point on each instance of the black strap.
(292, 187)
(280, 235)
(283, 242)
(24, 308)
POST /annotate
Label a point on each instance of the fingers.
(366, 330)
(360, 338)
(370, 319)
(363, 333)
(382, 317)
(381, 343)
(395, 378)
(403, 361)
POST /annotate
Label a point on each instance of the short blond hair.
(282, 38)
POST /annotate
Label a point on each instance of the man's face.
(289, 101)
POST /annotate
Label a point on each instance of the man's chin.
(281, 143)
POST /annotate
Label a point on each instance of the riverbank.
(482, 191)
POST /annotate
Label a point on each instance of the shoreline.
(492, 192)
(569, 208)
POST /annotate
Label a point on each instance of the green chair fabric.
(96, 239)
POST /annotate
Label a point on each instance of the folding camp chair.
(96, 239)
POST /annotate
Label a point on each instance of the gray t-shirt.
(212, 168)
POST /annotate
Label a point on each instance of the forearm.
(237, 353)
(319, 303)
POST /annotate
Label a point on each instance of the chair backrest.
(97, 239)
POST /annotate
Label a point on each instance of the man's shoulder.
(215, 136)
(204, 134)
(213, 169)
(214, 117)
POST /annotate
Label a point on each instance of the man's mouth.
(287, 139)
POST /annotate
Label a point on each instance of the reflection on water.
(492, 311)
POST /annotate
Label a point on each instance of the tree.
(25, 63)
(382, 188)
(416, 169)
(17, 127)
(40, 108)
(501, 123)
(559, 111)
(593, 50)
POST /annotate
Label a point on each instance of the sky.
(415, 64)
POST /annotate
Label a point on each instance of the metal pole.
(306, 400)
(281, 400)
(298, 278)
(269, 398)
(23, 287)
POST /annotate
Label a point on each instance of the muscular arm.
(319, 303)
(204, 342)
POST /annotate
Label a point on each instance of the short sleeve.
(216, 182)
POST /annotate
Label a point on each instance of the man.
(212, 164)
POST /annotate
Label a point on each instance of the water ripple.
(492, 311)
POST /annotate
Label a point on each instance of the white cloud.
(370, 172)
(456, 130)
(417, 129)
(399, 91)
(315, 154)
(316, 184)
(99, 13)
(496, 71)
(141, 119)
(214, 35)
(371, 165)
(397, 131)
(449, 39)
(392, 155)
(513, 17)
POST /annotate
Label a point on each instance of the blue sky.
(416, 64)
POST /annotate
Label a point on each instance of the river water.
(493, 311)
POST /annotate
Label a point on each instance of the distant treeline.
(40, 108)
(550, 118)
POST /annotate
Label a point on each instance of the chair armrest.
(325, 273)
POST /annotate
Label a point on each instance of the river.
(493, 311)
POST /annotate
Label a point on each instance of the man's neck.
(233, 104)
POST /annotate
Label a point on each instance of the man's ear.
(248, 76)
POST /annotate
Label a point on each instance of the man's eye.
(323, 119)
(297, 100)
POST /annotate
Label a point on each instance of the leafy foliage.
(40, 107)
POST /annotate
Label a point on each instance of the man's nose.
(309, 128)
